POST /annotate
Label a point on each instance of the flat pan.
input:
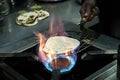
(15, 38)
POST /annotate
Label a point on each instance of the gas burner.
(56, 50)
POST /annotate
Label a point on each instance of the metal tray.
(15, 38)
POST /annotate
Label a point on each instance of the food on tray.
(42, 14)
(60, 44)
(27, 19)
(31, 18)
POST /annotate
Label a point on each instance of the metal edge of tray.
(106, 73)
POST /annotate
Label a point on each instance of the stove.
(25, 65)
(29, 68)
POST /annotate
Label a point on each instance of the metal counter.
(15, 38)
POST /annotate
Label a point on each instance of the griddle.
(15, 38)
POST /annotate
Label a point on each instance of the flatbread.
(60, 44)
(31, 18)
(42, 14)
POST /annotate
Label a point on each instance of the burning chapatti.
(60, 44)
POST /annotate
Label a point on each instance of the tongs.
(83, 45)
(82, 29)
(86, 33)
(86, 36)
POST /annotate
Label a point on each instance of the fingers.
(94, 12)
(86, 17)
(82, 10)
(88, 14)
(85, 12)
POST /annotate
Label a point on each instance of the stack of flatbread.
(60, 44)
(31, 18)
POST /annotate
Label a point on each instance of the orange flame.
(55, 29)
(42, 41)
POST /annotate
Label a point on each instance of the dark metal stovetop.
(27, 67)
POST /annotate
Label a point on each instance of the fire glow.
(64, 61)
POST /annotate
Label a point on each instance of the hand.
(89, 10)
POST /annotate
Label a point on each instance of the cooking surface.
(14, 36)
(25, 38)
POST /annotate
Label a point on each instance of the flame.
(56, 28)
(51, 59)
(42, 41)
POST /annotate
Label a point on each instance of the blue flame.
(70, 58)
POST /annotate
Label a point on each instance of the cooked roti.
(60, 44)
(28, 19)
(42, 14)
(31, 18)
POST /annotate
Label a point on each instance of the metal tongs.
(87, 33)
(86, 36)
(82, 28)
(82, 36)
